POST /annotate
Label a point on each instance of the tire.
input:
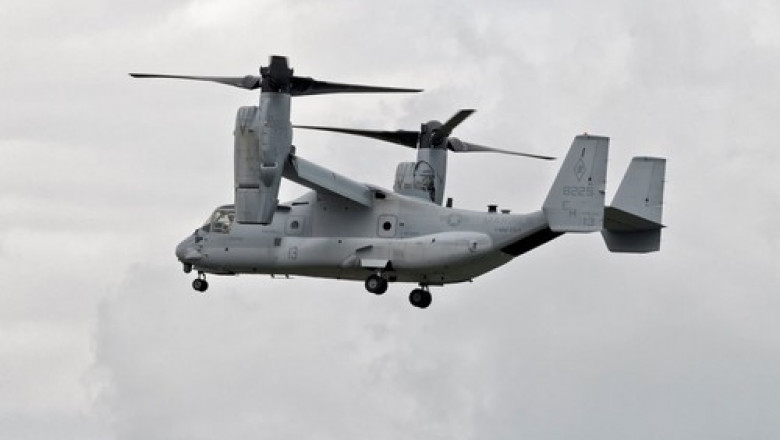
(376, 284)
(420, 298)
(200, 285)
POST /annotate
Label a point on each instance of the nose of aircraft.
(187, 251)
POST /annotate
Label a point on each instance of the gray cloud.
(101, 336)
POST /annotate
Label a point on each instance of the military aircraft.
(343, 229)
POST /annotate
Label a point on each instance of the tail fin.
(575, 202)
(633, 222)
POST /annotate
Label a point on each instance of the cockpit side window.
(220, 221)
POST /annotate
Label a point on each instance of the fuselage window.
(220, 221)
(385, 227)
(295, 225)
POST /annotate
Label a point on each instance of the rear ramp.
(633, 222)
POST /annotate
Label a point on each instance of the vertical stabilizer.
(633, 221)
(575, 202)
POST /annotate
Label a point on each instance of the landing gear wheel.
(376, 284)
(420, 298)
(200, 285)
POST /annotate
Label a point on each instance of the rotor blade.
(442, 133)
(245, 82)
(402, 137)
(466, 147)
(302, 86)
(454, 121)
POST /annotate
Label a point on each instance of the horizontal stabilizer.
(575, 202)
(638, 242)
(618, 220)
(633, 222)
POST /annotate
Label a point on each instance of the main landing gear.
(200, 284)
(421, 298)
(376, 284)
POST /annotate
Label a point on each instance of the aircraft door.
(386, 226)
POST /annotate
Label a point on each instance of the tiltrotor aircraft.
(344, 229)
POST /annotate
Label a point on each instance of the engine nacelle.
(247, 165)
(415, 179)
(424, 179)
(263, 140)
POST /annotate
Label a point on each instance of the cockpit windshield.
(220, 221)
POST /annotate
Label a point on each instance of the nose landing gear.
(200, 284)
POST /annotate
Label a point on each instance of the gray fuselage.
(404, 238)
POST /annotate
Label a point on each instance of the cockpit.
(221, 220)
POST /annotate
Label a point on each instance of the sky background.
(102, 337)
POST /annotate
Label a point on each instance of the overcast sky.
(102, 337)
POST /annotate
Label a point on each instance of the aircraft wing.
(323, 180)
